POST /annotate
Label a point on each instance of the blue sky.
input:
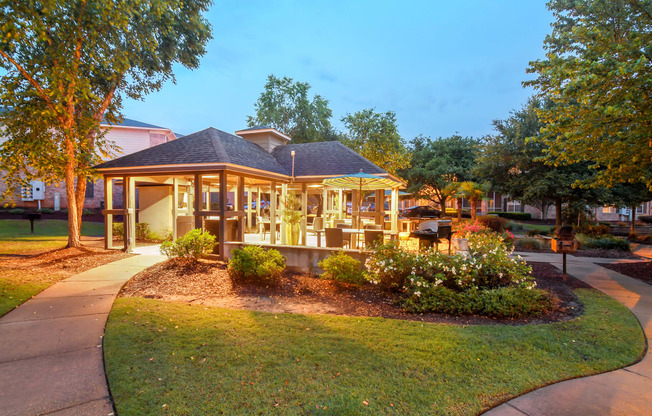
(442, 66)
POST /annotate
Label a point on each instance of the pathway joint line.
(52, 354)
(49, 412)
(516, 408)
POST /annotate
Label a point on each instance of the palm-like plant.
(474, 193)
(452, 190)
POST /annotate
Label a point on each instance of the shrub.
(142, 230)
(464, 229)
(638, 238)
(389, 266)
(592, 229)
(504, 302)
(646, 219)
(513, 215)
(46, 211)
(342, 268)
(494, 223)
(452, 212)
(608, 242)
(256, 264)
(16, 211)
(118, 229)
(529, 243)
(87, 211)
(190, 247)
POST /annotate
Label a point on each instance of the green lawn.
(534, 227)
(179, 359)
(15, 236)
(18, 285)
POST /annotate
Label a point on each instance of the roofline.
(113, 126)
(266, 130)
(195, 167)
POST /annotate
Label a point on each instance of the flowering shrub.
(342, 268)
(468, 228)
(493, 222)
(256, 264)
(389, 266)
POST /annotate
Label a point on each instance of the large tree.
(514, 165)
(69, 64)
(286, 106)
(437, 164)
(598, 75)
(376, 137)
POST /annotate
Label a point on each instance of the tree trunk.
(474, 209)
(80, 194)
(69, 174)
(633, 227)
(459, 209)
(558, 221)
(442, 205)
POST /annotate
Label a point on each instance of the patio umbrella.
(361, 181)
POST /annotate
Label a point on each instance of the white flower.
(417, 293)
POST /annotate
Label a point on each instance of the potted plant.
(292, 217)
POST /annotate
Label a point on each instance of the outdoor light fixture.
(292, 153)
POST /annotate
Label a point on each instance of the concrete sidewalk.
(627, 391)
(51, 346)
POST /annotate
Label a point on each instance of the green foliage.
(522, 216)
(342, 268)
(256, 264)
(143, 233)
(646, 219)
(607, 242)
(16, 211)
(389, 266)
(493, 222)
(597, 74)
(375, 136)
(46, 211)
(503, 302)
(292, 210)
(88, 211)
(190, 247)
(67, 68)
(529, 243)
(640, 238)
(474, 193)
(592, 230)
(452, 211)
(437, 166)
(285, 106)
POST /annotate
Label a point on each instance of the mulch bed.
(65, 262)
(639, 270)
(208, 283)
(606, 254)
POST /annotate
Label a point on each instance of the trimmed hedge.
(646, 219)
(513, 215)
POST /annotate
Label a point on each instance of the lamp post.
(293, 153)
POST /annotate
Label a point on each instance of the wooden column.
(324, 201)
(129, 202)
(284, 195)
(240, 207)
(198, 201)
(250, 209)
(379, 212)
(394, 209)
(304, 214)
(272, 213)
(175, 207)
(108, 218)
(222, 237)
(342, 203)
(355, 213)
(258, 201)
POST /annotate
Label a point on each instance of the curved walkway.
(627, 391)
(51, 346)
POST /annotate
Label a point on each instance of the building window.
(90, 189)
(608, 210)
(494, 202)
(513, 206)
(640, 209)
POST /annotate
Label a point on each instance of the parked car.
(421, 211)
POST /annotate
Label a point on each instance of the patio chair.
(335, 237)
(373, 227)
(262, 229)
(338, 222)
(317, 225)
(372, 238)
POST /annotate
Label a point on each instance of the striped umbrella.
(361, 181)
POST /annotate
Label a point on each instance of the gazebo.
(224, 183)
